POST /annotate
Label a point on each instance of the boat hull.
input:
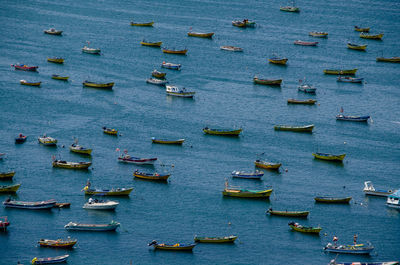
(226, 239)
(304, 102)
(349, 250)
(57, 77)
(371, 37)
(10, 188)
(333, 200)
(154, 176)
(201, 35)
(174, 142)
(151, 44)
(7, 175)
(91, 227)
(308, 128)
(121, 192)
(72, 165)
(340, 72)
(84, 151)
(138, 161)
(247, 193)
(55, 60)
(278, 61)
(356, 47)
(58, 259)
(267, 165)
(303, 214)
(310, 230)
(329, 157)
(174, 248)
(147, 24)
(25, 83)
(100, 206)
(388, 60)
(30, 205)
(352, 118)
(98, 85)
(269, 82)
(222, 132)
(180, 52)
(57, 243)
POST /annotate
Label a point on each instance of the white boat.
(179, 92)
(369, 189)
(87, 49)
(92, 227)
(231, 48)
(2, 155)
(94, 204)
(306, 88)
(47, 140)
(393, 200)
(158, 82)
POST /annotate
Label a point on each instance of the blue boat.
(247, 175)
(342, 117)
(360, 249)
(173, 66)
(393, 200)
(50, 260)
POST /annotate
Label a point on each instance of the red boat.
(25, 67)
(4, 223)
(306, 43)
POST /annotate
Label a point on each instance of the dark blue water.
(191, 202)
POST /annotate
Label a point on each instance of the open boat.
(71, 165)
(330, 199)
(51, 260)
(158, 74)
(221, 239)
(306, 88)
(125, 158)
(175, 247)
(231, 48)
(245, 193)
(98, 85)
(306, 43)
(388, 60)
(342, 117)
(200, 35)
(245, 23)
(58, 60)
(163, 141)
(172, 51)
(225, 132)
(87, 49)
(179, 92)
(112, 192)
(94, 204)
(304, 102)
(151, 176)
(340, 72)
(371, 36)
(267, 165)
(370, 190)
(173, 66)
(20, 138)
(7, 175)
(142, 24)
(305, 128)
(158, 82)
(318, 34)
(92, 227)
(269, 82)
(25, 67)
(59, 243)
(30, 205)
(247, 175)
(59, 77)
(304, 229)
(329, 157)
(9, 188)
(349, 249)
(76, 148)
(334, 262)
(354, 46)
(4, 223)
(278, 60)
(151, 44)
(47, 140)
(349, 79)
(288, 213)
(356, 28)
(26, 83)
(110, 131)
(53, 31)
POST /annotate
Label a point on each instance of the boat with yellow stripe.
(151, 44)
(304, 229)
(304, 102)
(173, 51)
(388, 60)
(231, 191)
(142, 24)
(268, 82)
(356, 46)
(59, 243)
(267, 165)
(158, 74)
(318, 34)
(226, 132)
(59, 77)
(340, 72)
(110, 131)
(174, 247)
(9, 188)
(222, 239)
(288, 213)
(356, 28)
(163, 141)
(71, 165)
(329, 157)
(26, 83)
(7, 175)
(104, 192)
(371, 36)
(58, 60)
(278, 60)
(201, 35)
(76, 148)
(151, 176)
(98, 85)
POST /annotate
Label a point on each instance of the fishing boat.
(30, 205)
(125, 158)
(174, 247)
(231, 48)
(103, 192)
(349, 249)
(354, 46)
(306, 43)
(59, 243)
(388, 60)
(142, 24)
(342, 117)
(330, 199)
(269, 82)
(371, 36)
(393, 200)
(20, 139)
(340, 72)
(359, 29)
(151, 176)
(59, 77)
(4, 223)
(179, 92)
(7, 175)
(289, 9)
(318, 34)
(334, 262)
(47, 140)
(76, 148)
(278, 60)
(110, 131)
(58, 60)
(304, 102)
(94, 204)
(158, 74)
(9, 188)
(200, 34)
(247, 175)
(304, 229)
(349, 79)
(87, 49)
(305, 128)
(71, 165)
(239, 24)
(173, 66)
(151, 44)
(51, 260)
(98, 85)
(92, 227)
(225, 132)
(158, 82)
(173, 51)
(163, 141)
(329, 157)
(221, 239)
(231, 191)
(306, 88)
(288, 213)
(53, 31)
(26, 83)
(369, 189)
(62, 205)
(25, 67)
(267, 165)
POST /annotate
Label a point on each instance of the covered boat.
(340, 71)
(304, 102)
(174, 247)
(278, 60)
(71, 165)
(221, 239)
(173, 51)
(173, 66)
(7, 175)
(179, 92)
(40, 205)
(306, 43)
(27, 83)
(288, 213)
(349, 79)
(158, 74)
(231, 48)
(269, 82)
(354, 46)
(142, 24)
(359, 29)
(388, 60)
(58, 60)
(158, 82)
(103, 192)
(51, 260)
(330, 199)
(151, 44)
(59, 77)
(370, 190)
(4, 223)
(393, 200)
(47, 140)
(95, 204)
(20, 138)
(225, 132)
(164, 141)
(371, 36)
(318, 34)
(304, 229)
(110, 131)
(349, 249)
(53, 31)
(247, 175)
(59, 243)
(151, 176)
(200, 34)
(125, 158)
(98, 85)
(9, 188)
(25, 67)
(231, 191)
(342, 117)
(92, 227)
(267, 165)
(76, 148)
(305, 128)
(329, 157)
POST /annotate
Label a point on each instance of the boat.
(98, 85)
(305, 102)
(58, 60)
(87, 49)
(354, 46)
(290, 8)
(371, 36)
(267, 165)
(393, 200)
(125, 158)
(269, 82)
(200, 35)
(59, 243)
(51, 260)
(305, 128)
(306, 88)
(47, 140)
(318, 34)
(245, 23)
(102, 192)
(7, 175)
(356, 28)
(110, 131)
(179, 92)
(334, 262)
(9, 188)
(330, 157)
(304, 229)
(4, 223)
(349, 79)
(158, 74)
(173, 66)
(142, 24)
(288, 213)
(163, 141)
(2, 155)
(388, 60)
(278, 60)
(26, 83)
(370, 190)
(53, 31)
(92, 227)
(20, 139)
(245, 193)
(158, 82)
(71, 165)
(349, 249)
(221, 239)
(225, 132)
(247, 175)
(231, 48)
(76, 148)
(59, 77)
(330, 199)
(94, 204)
(151, 176)
(151, 44)
(172, 51)
(340, 72)
(174, 247)
(306, 43)
(62, 205)
(342, 117)
(25, 67)
(30, 205)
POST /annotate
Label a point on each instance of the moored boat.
(221, 239)
(304, 102)
(231, 48)
(25, 67)
(278, 60)
(94, 204)
(245, 23)
(342, 117)
(47, 140)
(30, 205)
(164, 141)
(126, 158)
(59, 77)
(110, 131)
(306, 43)
(142, 24)
(111, 192)
(71, 165)
(26, 83)
(369, 189)
(200, 35)
(151, 176)
(354, 46)
(4, 223)
(305, 128)
(173, 66)
(304, 229)
(388, 60)
(371, 36)
(318, 34)
(50, 260)
(226, 132)
(174, 247)
(76, 148)
(98, 85)
(359, 29)
(306, 88)
(59, 243)
(393, 200)
(112, 226)
(9, 188)
(288, 213)
(267, 165)
(158, 74)
(53, 31)
(158, 82)
(87, 49)
(334, 262)
(289, 8)
(7, 175)
(349, 249)
(151, 44)
(329, 157)
(269, 82)
(349, 79)
(20, 138)
(58, 60)
(245, 193)
(247, 175)
(330, 199)
(179, 92)
(340, 71)
(173, 51)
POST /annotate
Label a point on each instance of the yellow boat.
(222, 239)
(55, 60)
(47, 140)
(329, 157)
(7, 175)
(267, 165)
(182, 52)
(58, 77)
(98, 85)
(175, 247)
(151, 44)
(389, 60)
(356, 28)
(226, 132)
(26, 83)
(277, 60)
(80, 149)
(201, 35)
(9, 188)
(356, 47)
(373, 36)
(304, 229)
(59, 243)
(146, 24)
(232, 192)
(158, 74)
(110, 131)
(161, 141)
(340, 72)
(71, 165)
(318, 34)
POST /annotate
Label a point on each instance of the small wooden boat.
(151, 44)
(349, 79)
(221, 239)
(59, 77)
(30, 205)
(318, 34)
(51, 260)
(26, 83)
(278, 60)
(330, 199)
(329, 157)
(247, 175)
(371, 36)
(110, 131)
(125, 158)
(4, 223)
(112, 192)
(179, 92)
(370, 190)
(245, 193)
(306, 43)
(231, 48)
(305, 128)
(200, 35)
(9, 188)
(58, 60)
(142, 24)
(288, 213)
(163, 141)
(59, 243)
(393, 200)
(94, 204)
(289, 9)
(20, 139)
(76, 148)
(47, 140)
(62, 205)
(388, 60)
(71, 165)
(342, 117)
(172, 51)
(89, 50)
(304, 229)
(92, 227)
(340, 72)
(151, 176)
(245, 23)
(349, 249)
(25, 67)
(7, 175)
(356, 28)
(334, 262)
(225, 132)
(267, 165)
(175, 247)
(53, 31)
(173, 66)
(98, 85)
(354, 46)
(158, 74)
(304, 102)
(158, 82)
(306, 88)
(269, 82)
